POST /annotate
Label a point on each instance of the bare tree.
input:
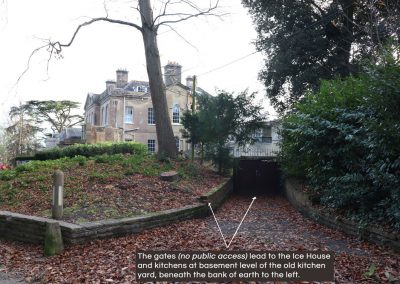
(148, 27)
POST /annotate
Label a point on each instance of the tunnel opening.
(257, 176)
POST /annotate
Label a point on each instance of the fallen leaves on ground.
(271, 224)
(97, 191)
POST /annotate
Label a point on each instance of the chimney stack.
(189, 82)
(172, 73)
(110, 85)
(122, 78)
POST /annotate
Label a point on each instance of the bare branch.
(105, 8)
(58, 46)
(318, 7)
(182, 37)
(164, 11)
(29, 62)
(186, 16)
(141, 14)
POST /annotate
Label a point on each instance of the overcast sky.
(101, 48)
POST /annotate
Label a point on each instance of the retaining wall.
(371, 233)
(32, 229)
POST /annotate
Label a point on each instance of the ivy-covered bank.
(345, 142)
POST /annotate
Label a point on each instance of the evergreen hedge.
(345, 142)
(89, 150)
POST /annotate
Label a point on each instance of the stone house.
(124, 110)
(266, 142)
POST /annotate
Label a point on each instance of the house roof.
(132, 85)
(131, 88)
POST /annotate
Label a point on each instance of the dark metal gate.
(257, 176)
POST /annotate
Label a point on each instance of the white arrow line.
(241, 222)
(234, 235)
(209, 204)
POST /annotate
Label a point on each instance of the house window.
(142, 89)
(177, 142)
(150, 116)
(175, 114)
(106, 115)
(267, 139)
(102, 116)
(151, 145)
(128, 114)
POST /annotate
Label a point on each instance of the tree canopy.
(59, 114)
(306, 41)
(222, 119)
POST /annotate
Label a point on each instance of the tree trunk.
(347, 38)
(165, 135)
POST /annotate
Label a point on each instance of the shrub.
(91, 150)
(344, 141)
(189, 170)
(7, 175)
(81, 160)
(101, 159)
(25, 167)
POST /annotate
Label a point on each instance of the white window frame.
(151, 145)
(177, 143)
(176, 114)
(150, 116)
(128, 117)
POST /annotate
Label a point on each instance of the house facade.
(124, 111)
(266, 142)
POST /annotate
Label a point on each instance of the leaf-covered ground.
(104, 187)
(271, 224)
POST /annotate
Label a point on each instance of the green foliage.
(25, 167)
(91, 150)
(306, 41)
(99, 177)
(371, 271)
(151, 171)
(7, 175)
(222, 119)
(81, 160)
(101, 159)
(57, 113)
(344, 141)
(189, 170)
(8, 193)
